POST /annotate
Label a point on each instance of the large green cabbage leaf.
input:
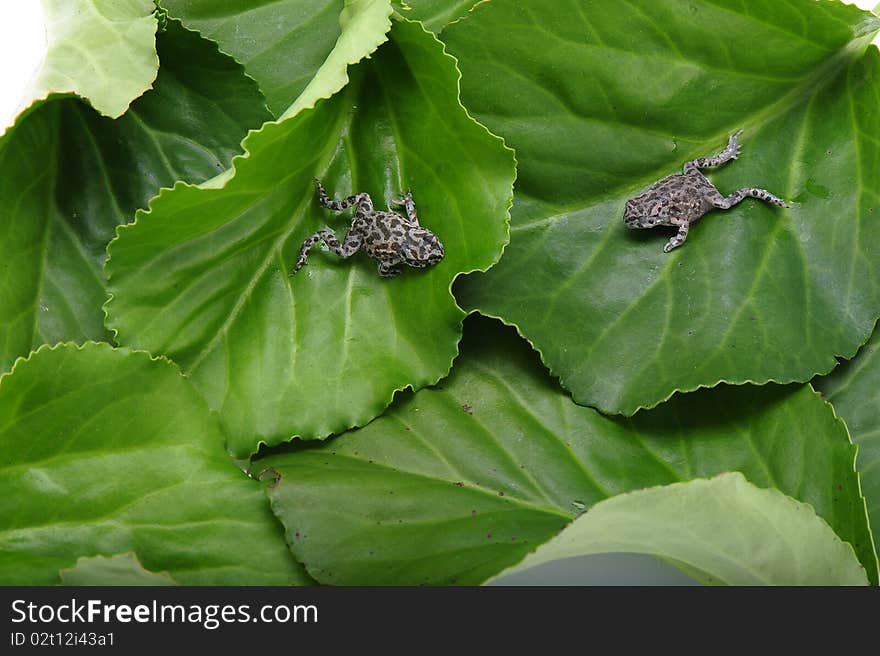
(600, 99)
(203, 276)
(456, 482)
(106, 451)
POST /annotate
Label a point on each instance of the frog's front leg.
(729, 153)
(679, 238)
(409, 205)
(737, 196)
(349, 247)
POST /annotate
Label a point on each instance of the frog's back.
(692, 183)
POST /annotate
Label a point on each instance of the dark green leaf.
(854, 391)
(282, 43)
(600, 99)
(457, 482)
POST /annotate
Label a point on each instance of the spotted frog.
(680, 199)
(387, 237)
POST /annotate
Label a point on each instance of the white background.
(22, 44)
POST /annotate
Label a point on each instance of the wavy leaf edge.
(815, 392)
(226, 176)
(221, 180)
(734, 477)
(758, 382)
(101, 107)
(860, 46)
(124, 351)
(160, 578)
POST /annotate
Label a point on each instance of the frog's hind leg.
(409, 205)
(678, 239)
(362, 200)
(349, 247)
(748, 192)
(389, 269)
(729, 153)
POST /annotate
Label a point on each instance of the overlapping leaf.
(601, 99)
(106, 451)
(365, 25)
(436, 14)
(854, 390)
(203, 277)
(719, 526)
(101, 50)
(455, 483)
(68, 177)
(282, 44)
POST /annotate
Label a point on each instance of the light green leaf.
(101, 50)
(726, 527)
(454, 483)
(288, 45)
(436, 14)
(600, 100)
(365, 24)
(122, 569)
(105, 451)
(203, 276)
(854, 391)
(68, 177)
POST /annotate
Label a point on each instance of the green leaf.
(203, 276)
(454, 483)
(122, 569)
(101, 50)
(365, 25)
(68, 177)
(854, 391)
(105, 451)
(436, 14)
(620, 94)
(726, 527)
(283, 43)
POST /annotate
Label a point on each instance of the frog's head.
(421, 248)
(635, 215)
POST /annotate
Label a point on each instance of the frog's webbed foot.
(349, 247)
(730, 152)
(409, 205)
(678, 239)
